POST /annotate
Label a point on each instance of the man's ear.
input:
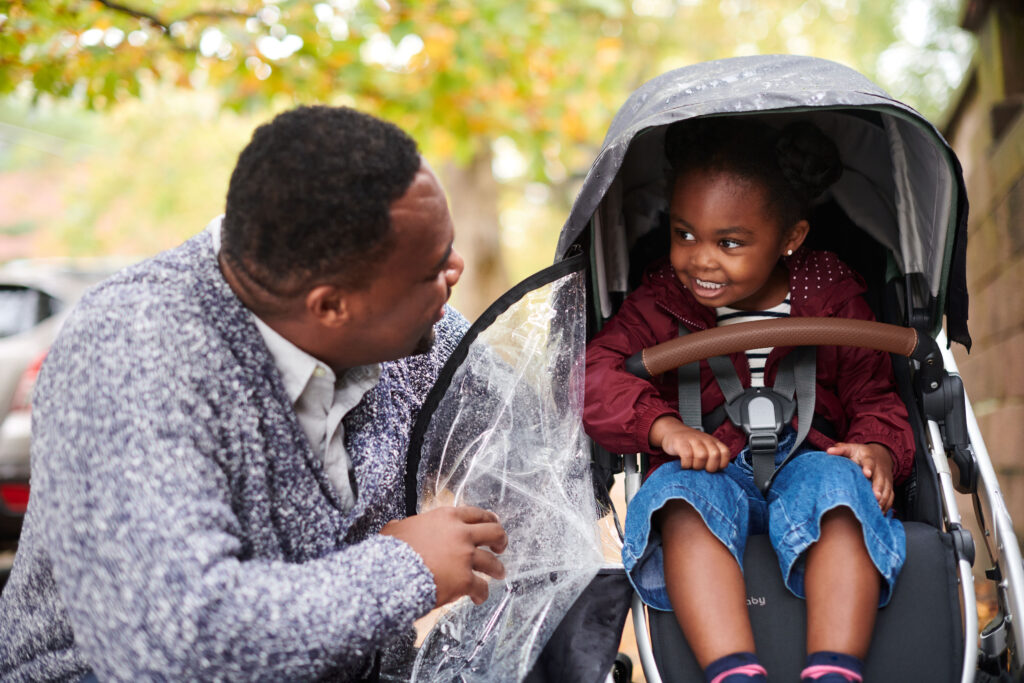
(797, 235)
(329, 305)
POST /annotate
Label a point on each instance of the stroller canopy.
(902, 183)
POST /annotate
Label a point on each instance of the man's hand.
(875, 461)
(695, 449)
(451, 541)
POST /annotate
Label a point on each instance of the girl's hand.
(875, 461)
(695, 449)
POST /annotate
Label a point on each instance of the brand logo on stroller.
(756, 600)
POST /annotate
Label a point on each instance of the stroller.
(501, 427)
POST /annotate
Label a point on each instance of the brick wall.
(986, 128)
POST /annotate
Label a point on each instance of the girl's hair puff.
(794, 165)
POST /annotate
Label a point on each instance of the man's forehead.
(421, 220)
(424, 188)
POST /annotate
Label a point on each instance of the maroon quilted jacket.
(855, 387)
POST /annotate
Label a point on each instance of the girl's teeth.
(709, 285)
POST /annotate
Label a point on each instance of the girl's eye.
(685, 236)
(731, 244)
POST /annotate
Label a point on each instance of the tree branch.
(165, 25)
(151, 19)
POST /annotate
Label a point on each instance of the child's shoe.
(740, 667)
(832, 667)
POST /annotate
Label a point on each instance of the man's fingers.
(484, 527)
(478, 590)
(491, 535)
(474, 515)
(452, 542)
(486, 563)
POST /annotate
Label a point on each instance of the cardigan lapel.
(287, 449)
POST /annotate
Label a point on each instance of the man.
(220, 432)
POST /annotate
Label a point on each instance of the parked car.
(35, 297)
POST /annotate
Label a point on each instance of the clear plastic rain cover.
(507, 436)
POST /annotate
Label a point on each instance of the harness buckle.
(763, 443)
(759, 410)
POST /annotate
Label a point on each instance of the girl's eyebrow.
(733, 230)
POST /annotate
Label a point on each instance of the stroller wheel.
(622, 669)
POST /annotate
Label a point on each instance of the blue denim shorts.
(810, 485)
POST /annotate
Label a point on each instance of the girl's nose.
(704, 257)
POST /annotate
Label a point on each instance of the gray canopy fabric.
(902, 183)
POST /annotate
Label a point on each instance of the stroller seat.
(918, 635)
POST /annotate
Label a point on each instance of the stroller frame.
(933, 288)
(905, 190)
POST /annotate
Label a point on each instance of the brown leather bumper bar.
(720, 341)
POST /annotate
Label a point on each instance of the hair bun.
(808, 159)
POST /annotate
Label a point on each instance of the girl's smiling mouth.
(706, 289)
(707, 284)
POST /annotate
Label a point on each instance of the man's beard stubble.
(426, 343)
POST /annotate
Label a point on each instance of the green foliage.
(542, 76)
(547, 74)
(927, 61)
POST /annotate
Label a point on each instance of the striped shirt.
(756, 357)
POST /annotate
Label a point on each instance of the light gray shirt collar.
(320, 399)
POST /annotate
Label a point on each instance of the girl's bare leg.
(705, 585)
(842, 587)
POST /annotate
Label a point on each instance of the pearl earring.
(789, 253)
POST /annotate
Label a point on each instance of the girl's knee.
(681, 525)
(841, 520)
(677, 515)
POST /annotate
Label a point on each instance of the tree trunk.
(473, 199)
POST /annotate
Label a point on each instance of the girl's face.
(726, 247)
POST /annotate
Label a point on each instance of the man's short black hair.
(310, 197)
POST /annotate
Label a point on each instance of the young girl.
(740, 193)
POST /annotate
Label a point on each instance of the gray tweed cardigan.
(180, 527)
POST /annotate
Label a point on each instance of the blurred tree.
(474, 82)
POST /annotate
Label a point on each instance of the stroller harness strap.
(761, 412)
(689, 394)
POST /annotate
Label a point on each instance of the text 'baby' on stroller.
(502, 428)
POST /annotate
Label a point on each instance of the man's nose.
(454, 270)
